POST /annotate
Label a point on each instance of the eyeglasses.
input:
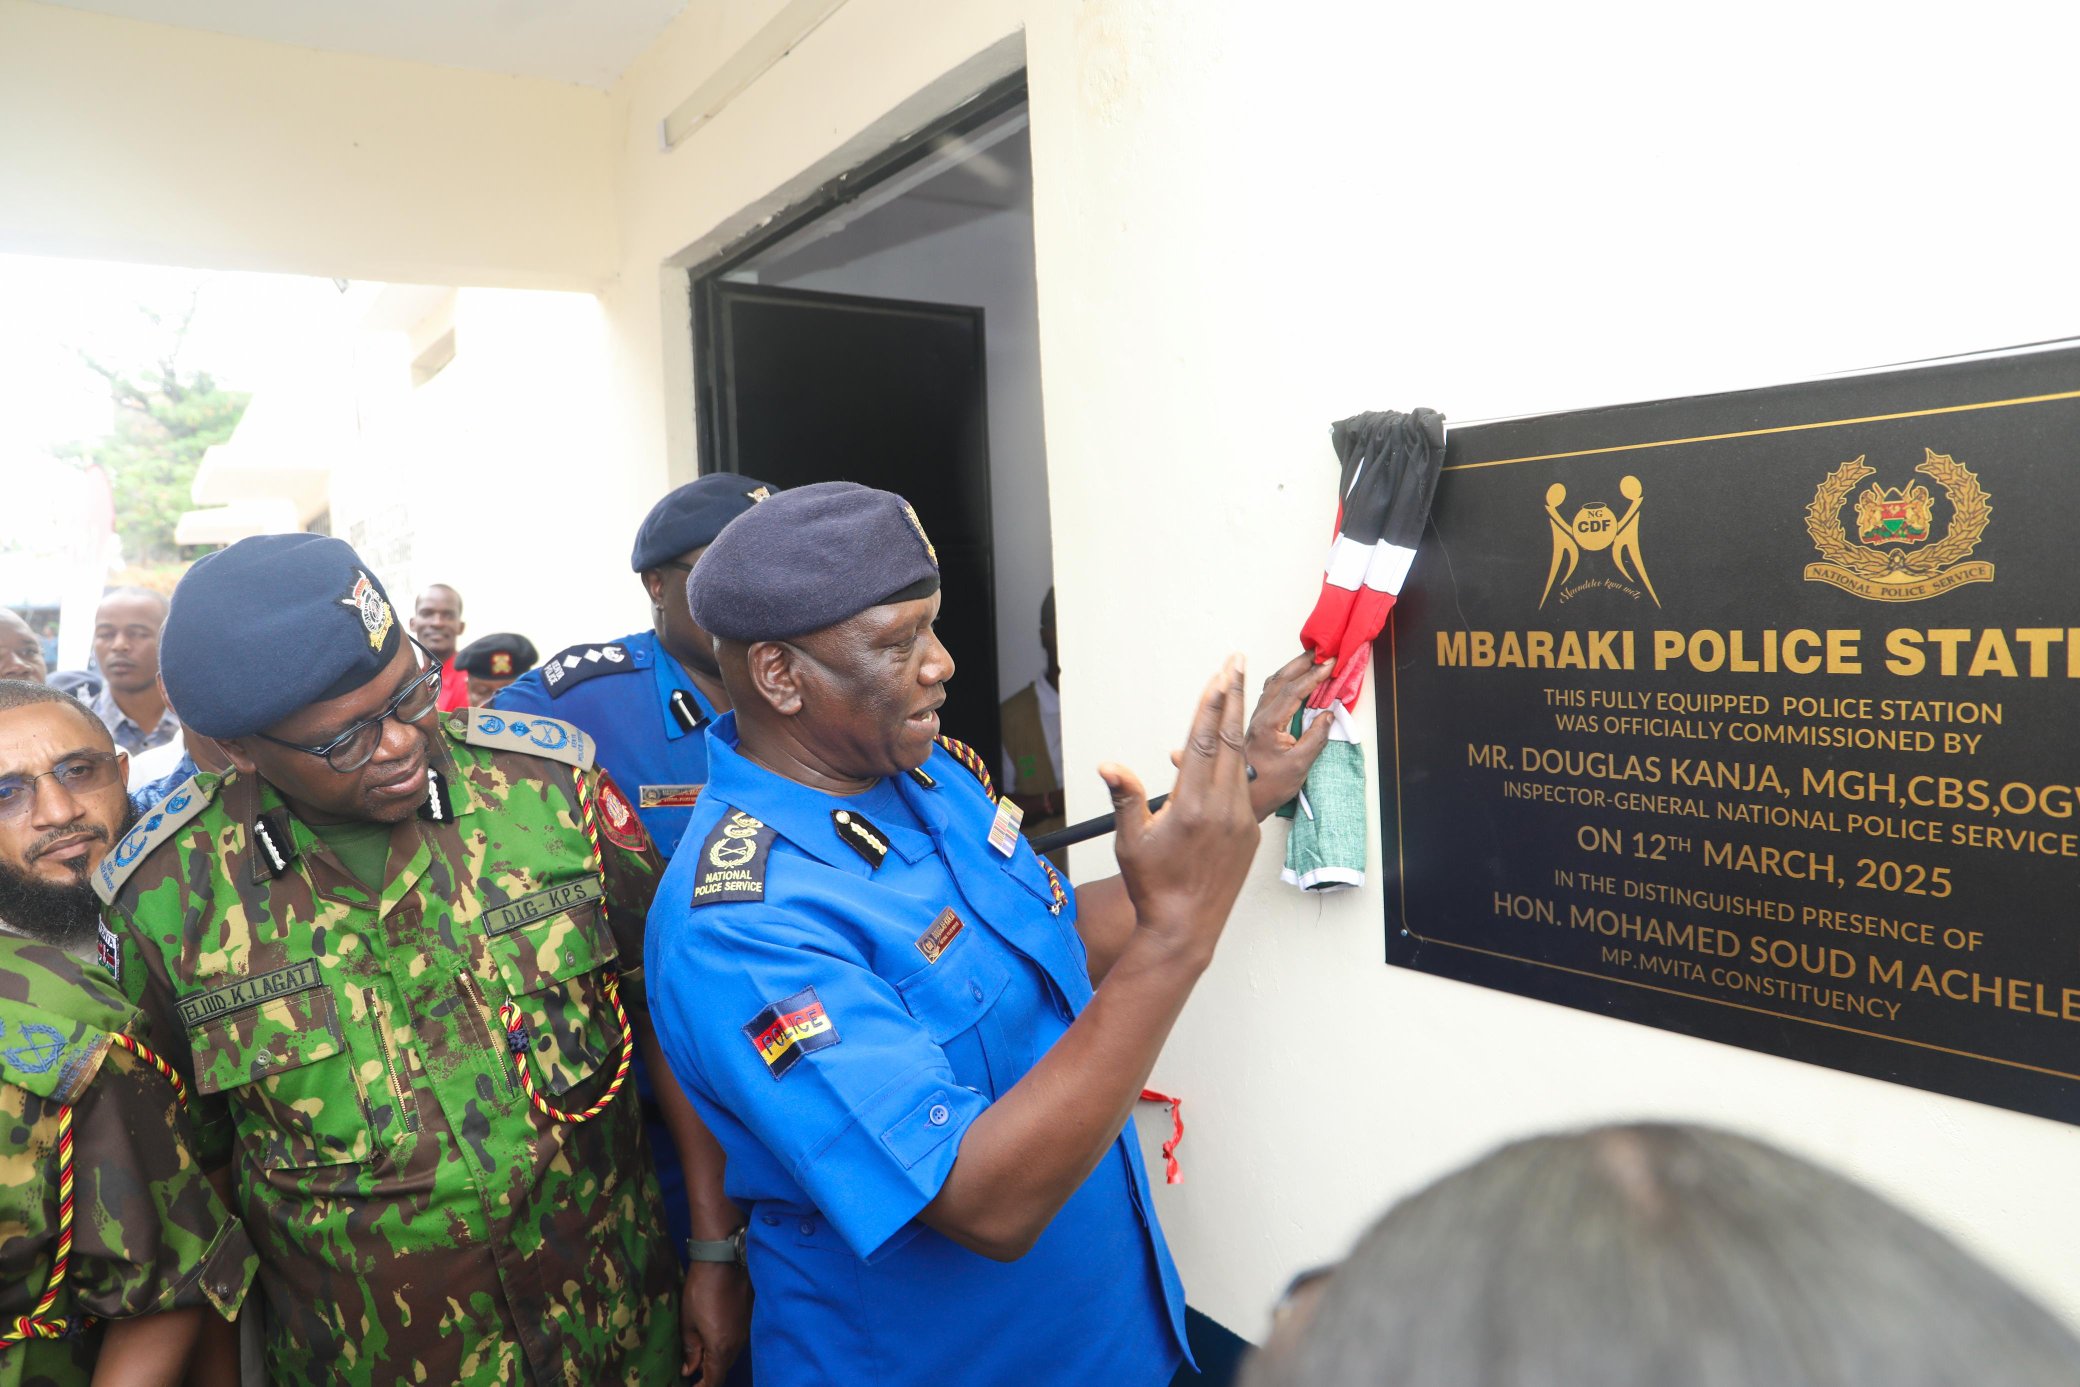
(76, 775)
(356, 747)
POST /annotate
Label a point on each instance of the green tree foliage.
(165, 418)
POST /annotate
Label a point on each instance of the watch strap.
(729, 1249)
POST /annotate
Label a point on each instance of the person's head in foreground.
(285, 651)
(1659, 1256)
(839, 677)
(62, 807)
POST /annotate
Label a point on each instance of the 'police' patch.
(567, 669)
(203, 1007)
(110, 950)
(166, 818)
(939, 938)
(668, 796)
(537, 736)
(861, 836)
(733, 861)
(789, 1029)
(617, 818)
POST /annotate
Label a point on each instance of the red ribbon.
(1173, 1174)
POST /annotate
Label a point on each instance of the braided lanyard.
(516, 1029)
(40, 1323)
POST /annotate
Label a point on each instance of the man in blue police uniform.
(646, 698)
(919, 1049)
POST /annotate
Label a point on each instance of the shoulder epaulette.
(51, 1056)
(972, 759)
(500, 730)
(733, 860)
(567, 669)
(167, 818)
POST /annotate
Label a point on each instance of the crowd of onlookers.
(1622, 1256)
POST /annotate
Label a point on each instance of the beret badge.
(501, 664)
(918, 525)
(758, 493)
(369, 605)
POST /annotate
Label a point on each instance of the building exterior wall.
(1248, 221)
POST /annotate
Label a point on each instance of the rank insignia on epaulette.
(567, 669)
(276, 845)
(733, 861)
(532, 734)
(166, 818)
(857, 833)
(790, 1028)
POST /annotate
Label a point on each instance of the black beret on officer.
(499, 656)
(690, 516)
(810, 558)
(272, 625)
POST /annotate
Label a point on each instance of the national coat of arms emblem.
(1887, 563)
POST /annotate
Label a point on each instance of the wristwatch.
(729, 1249)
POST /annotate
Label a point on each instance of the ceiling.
(587, 42)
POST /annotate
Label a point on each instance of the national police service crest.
(1887, 564)
(369, 605)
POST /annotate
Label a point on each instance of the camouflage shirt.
(148, 1232)
(419, 1218)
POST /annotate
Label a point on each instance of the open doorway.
(887, 333)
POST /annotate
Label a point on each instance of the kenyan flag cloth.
(1390, 463)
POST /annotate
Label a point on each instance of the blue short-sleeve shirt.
(840, 1015)
(645, 716)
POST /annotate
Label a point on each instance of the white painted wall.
(488, 477)
(985, 262)
(122, 140)
(1248, 221)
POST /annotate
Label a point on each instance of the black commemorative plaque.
(1753, 717)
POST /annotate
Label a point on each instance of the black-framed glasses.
(76, 775)
(356, 747)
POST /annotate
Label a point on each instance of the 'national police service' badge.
(369, 605)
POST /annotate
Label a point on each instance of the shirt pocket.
(950, 999)
(284, 1065)
(555, 972)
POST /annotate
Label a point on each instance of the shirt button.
(975, 990)
(807, 1228)
(938, 1116)
(771, 1220)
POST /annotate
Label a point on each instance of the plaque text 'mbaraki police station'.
(1757, 717)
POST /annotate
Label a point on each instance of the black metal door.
(802, 386)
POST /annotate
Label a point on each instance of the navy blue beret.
(270, 626)
(810, 558)
(481, 656)
(693, 515)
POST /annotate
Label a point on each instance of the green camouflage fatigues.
(148, 1233)
(418, 1218)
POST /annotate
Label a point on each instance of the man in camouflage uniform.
(84, 1114)
(401, 959)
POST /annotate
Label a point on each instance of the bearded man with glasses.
(399, 955)
(113, 1244)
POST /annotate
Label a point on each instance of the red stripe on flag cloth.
(1173, 1173)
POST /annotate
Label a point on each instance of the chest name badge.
(668, 796)
(789, 1029)
(861, 836)
(939, 938)
(1003, 830)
